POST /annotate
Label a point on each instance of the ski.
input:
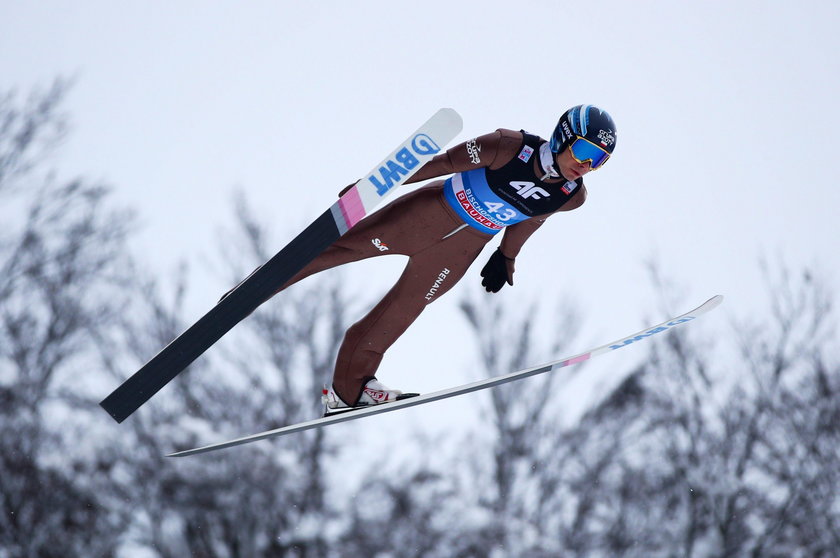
(351, 207)
(466, 388)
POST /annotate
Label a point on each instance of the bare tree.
(490, 502)
(266, 499)
(788, 456)
(401, 517)
(29, 132)
(693, 457)
(77, 314)
(60, 255)
(520, 416)
(694, 454)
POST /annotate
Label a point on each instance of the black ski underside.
(235, 307)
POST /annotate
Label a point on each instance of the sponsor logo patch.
(438, 282)
(569, 187)
(529, 190)
(474, 151)
(567, 131)
(470, 205)
(381, 246)
(377, 394)
(653, 331)
(606, 138)
(525, 154)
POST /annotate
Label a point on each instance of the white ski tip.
(713, 302)
(452, 117)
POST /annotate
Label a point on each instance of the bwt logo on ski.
(403, 161)
(653, 331)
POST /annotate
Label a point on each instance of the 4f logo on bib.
(529, 190)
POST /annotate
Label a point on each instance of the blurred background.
(152, 154)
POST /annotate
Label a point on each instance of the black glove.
(497, 272)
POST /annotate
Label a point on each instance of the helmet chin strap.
(547, 163)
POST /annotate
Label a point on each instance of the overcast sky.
(726, 114)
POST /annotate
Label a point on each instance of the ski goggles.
(583, 150)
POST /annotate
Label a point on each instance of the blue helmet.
(588, 122)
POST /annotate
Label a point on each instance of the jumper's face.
(569, 167)
(583, 155)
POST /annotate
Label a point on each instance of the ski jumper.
(442, 228)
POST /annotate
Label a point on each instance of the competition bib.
(471, 197)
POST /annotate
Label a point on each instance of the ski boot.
(374, 393)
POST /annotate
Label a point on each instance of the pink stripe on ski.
(352, 207)
(575, 360)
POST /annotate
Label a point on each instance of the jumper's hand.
(498, 271)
